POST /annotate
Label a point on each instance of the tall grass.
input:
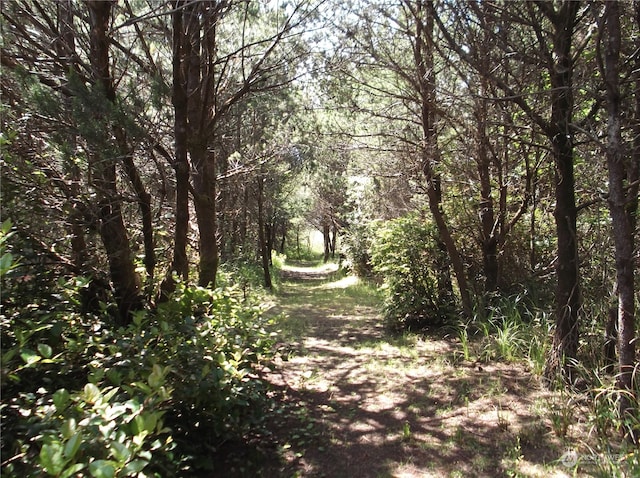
(513, 331)
(509, 331)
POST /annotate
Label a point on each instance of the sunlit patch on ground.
(401, 406)
(348, 281)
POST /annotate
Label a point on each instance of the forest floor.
(355, 401)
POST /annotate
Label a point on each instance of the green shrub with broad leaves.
(81, 398)
(357, 241)
(404, 253)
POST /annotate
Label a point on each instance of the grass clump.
(510, 332)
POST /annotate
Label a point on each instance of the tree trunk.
(334, 239)
(567, 296)
(244, 221)
(205, 206)
(269, 232)
(65, 48)
(611, 338)
(425, 69)
(488, 232)
(144, 203)
(327, 239)
(284, 236)
(202, 161)
(113, 232)
(179, 263)
(264, 248)
(623, 233)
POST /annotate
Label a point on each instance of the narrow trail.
(370, 405)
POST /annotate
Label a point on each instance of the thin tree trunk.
(65, 48)
(113, 232)
(264, 248)
(269, 232)
(202, 161)
(179, 263)
(334, 239)
(488, 232)
(567, 297)
(611, 339)
(623, 233)
(284, 236)
(424, 62)
(327, 239)
(144, 203)
(244, 220)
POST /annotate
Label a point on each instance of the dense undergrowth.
(160, 397)
(157, 398)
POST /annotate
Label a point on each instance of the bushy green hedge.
(80, 398)
(404, 253)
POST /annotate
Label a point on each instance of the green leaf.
(138, 439)
(30, 357)
(6, 261)
(138, 425)
(8, 355)
(115, 411)
(45, 350)
(51, 458)
(68, 428)
(5, 227)
(120, 452)
(154, 380)
(72, 446)
(136, 466)
(92, 393)
(61, 399)
(102, 469)
(143, 387)
(114, 376)
(150, 421)
(72, 470)
(109, 395)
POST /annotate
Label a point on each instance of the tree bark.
(334, 239)
(426, 80)
(264, 247)
(326, 235)
(113, 232)
(488, 229)
(623, 232)
(144, 203)
(205, 206)
(567, 297)
(200, 42)
(284, 235)
(179, 263)
(65, 48)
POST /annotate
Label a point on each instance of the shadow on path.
(363, 404)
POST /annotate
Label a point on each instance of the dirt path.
(364, 404)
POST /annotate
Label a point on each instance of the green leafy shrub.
(357, 242)
(153, 399)
(214, 343)
(404, 252)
